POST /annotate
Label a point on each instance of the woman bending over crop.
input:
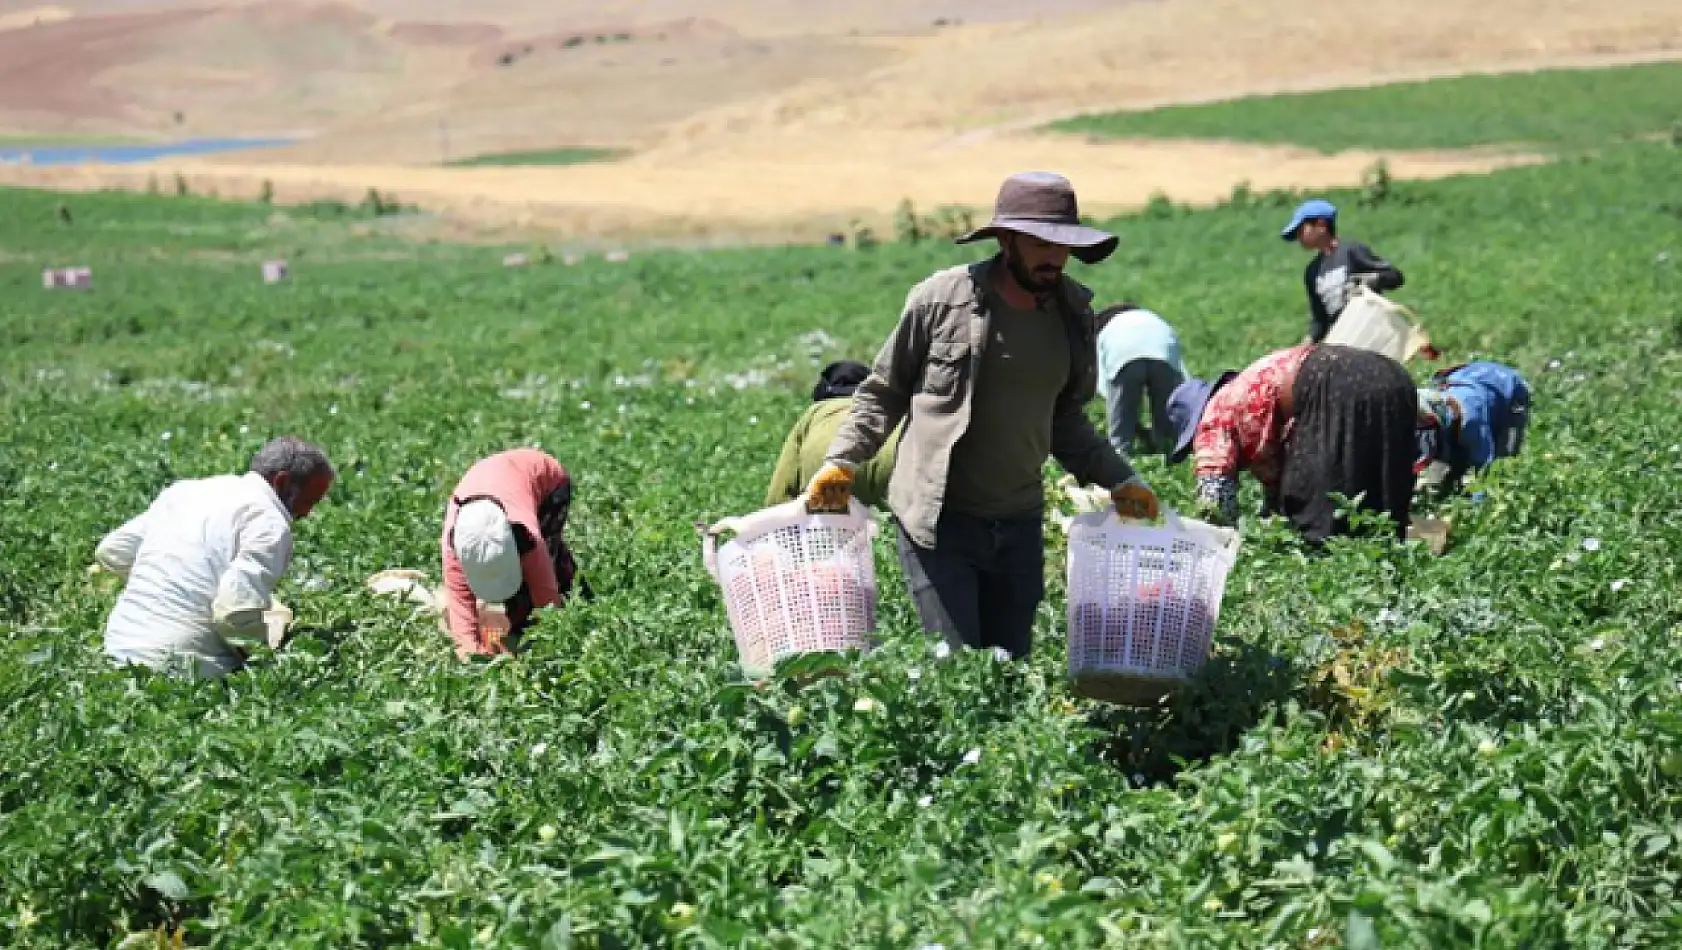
(504, 543)
(1307, 422)
(808, 442)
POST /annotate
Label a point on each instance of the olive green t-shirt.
(996, 465)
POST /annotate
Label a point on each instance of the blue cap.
(1308, 211)
(1185, 411)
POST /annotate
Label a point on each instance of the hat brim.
(1182, 446)
(1310, 211)
(1088, 245)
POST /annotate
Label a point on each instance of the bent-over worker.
(1138, 359)
(1306, 422)
(504, 543)
(201, 564)
(808, 442)
(1472, 415)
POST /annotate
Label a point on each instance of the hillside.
(735, 110)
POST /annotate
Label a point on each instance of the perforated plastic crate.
(1143, 602)
(795, 582)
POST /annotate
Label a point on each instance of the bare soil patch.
(795, 192)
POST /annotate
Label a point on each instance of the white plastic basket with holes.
(1143, 601)
(795, 582)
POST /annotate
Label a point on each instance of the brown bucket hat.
(1043, 205)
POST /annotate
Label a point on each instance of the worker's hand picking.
(243, 629)
(831, 489)
(1134, 499)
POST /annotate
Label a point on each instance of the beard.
(1040, 280)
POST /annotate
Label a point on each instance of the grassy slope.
(1565, 110)
(362, 788)
(553, 156)
(54, 141)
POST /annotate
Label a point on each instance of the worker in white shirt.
(201, 564)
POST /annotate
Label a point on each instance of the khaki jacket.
(925, 374)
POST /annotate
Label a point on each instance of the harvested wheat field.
(756, 119)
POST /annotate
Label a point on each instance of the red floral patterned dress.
(1244, 428)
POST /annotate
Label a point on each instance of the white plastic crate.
(1143, 602)
(795, 582)
(72, 277)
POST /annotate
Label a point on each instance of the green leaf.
(603, 858)
(559, 935)
(1295, 868)
(1359, 933)
(727, 931)
(1667, 722)
(1378, 854)
(1478, 911)
(456, 935)
(167, 883)
(675, 837)
(828, 747)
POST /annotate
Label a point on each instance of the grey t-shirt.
(1327, 280)
(996, 466)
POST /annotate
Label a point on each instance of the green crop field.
(552, 156)
(43, 141)
(1387, 750)
(1560, 110)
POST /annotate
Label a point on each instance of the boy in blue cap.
(1337, 265)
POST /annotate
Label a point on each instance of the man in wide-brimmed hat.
(990, 367)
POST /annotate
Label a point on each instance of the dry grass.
(771, 133)
(793, 194)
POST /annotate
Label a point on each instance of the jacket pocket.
(946, 362)
(941, 374)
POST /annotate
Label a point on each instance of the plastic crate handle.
(777, 516)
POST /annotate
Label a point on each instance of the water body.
(127, 154)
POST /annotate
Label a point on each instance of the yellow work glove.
(1134, 499)
(831, 488)
(494, 628)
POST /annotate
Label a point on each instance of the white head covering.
(484, 544)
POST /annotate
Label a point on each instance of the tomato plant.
(1388, 749)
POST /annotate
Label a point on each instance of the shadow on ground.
(1204, 719)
